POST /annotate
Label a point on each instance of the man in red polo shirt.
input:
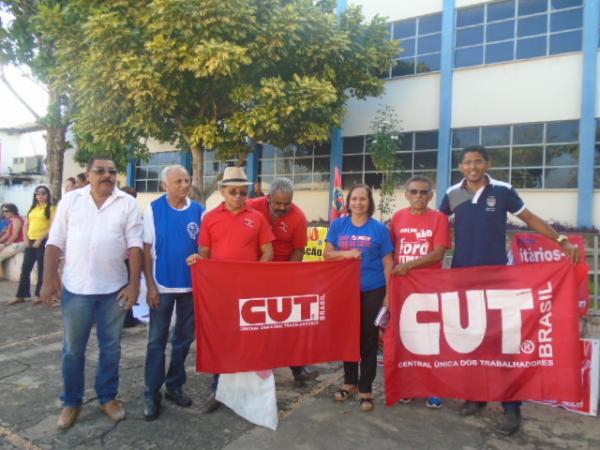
(232, 231)
(289, 225)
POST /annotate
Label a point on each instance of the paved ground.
(30, 383)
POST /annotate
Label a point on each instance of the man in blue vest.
(171, 229)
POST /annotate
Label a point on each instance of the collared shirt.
(290, 230)
(95, 241)
(173, 234)
(480, 221)
(235, 237)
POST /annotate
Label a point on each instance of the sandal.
(345, 392)
(16, 301)
(36, 300)
(366, 404)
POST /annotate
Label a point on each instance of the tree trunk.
(198, 174)
(55, 144)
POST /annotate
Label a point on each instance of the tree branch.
(16, 94)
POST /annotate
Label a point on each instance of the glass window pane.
(354, 144)
(496, 135)
(597, 178)
(500, 157)
(532, 47)
(526, 178)
(153, 172)
(427, 140)
(140, 185)
(352, 163)
(500, 31)
(429, 44)
(469, 36)
(565, 42)
(402, 177)
(303, 181)
(456, 157)
(471, 56)
(428, 63)
(320, 180)
(469, 16)
(561, 4)
(563, 177)
(562, 155)
(456, 176)
(567, 131)
(267, 166)
(531, 133)
(527, 156)
(597, 156)
(464, 137)
(425, 160)
(152, 186)
(405, 160)
(303, 151)
(269, 151)
(403, 67)
(140, 173)
(531, 26)
(430, 24)
(405, 28)
(405, 141)
(350, 179)
(502, 51)
(566, 20)
(408, 47)
(501, 10)
(287, 151)
(373, 180)
(369, 166)
(303, 165)
(499, 174)
(321, 165)
(532, 6)
(323, 148)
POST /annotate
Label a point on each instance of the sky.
(12, 112)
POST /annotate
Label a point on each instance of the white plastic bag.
(250, 396)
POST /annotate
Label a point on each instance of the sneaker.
(405, 401)
(511, 420)
(434, 402)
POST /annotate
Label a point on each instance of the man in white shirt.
(96, 227)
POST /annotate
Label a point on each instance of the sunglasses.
(418, 191)
(235, 193)
(5, 211)
(103, 170)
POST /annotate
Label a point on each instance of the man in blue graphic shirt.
(480, 205)
(171, 229)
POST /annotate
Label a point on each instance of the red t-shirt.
(290, 231)
(236, 237)
(414, 236)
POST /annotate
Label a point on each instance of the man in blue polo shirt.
(480, 205)
(171, 229)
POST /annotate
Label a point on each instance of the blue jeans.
(79, 314)
(183, 336)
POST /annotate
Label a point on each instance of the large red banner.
(255, 316)
(491, 333)
(533, 247)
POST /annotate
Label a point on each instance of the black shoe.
(305, 375)
(178, 397)
(133, 323)
(469, 408)
(151, 408)
(511, 420)
(212, 404)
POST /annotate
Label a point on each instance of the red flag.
(254, 316)
(338, 207)
(490, 333)
(531, 248)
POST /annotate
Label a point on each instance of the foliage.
(383, 145)
(214, 75)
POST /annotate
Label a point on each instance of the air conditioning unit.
(25, 164)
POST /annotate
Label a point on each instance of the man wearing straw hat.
(232, 231)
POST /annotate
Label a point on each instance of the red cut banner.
(254, 316)
(532, 248)
(489, 333)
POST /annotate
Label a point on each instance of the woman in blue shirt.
(360, 236)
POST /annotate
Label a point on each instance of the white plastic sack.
(250, 396)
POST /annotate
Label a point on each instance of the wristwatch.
(561, 238)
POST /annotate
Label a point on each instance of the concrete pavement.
(30, 384)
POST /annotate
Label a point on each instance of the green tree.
(383, 144)
(24, 39)
(215, 75)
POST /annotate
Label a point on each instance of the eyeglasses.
(103, 170)
(235, 193)
(418, 191)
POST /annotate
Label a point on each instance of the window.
(529, 156)
(510, 30)
(147, 174)
(417, 153)
(307, 167)
(421, 42)
(213, 168)
(597, 157)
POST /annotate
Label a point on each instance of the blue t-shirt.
(372, 239)
(175, 238)
(480, 222)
